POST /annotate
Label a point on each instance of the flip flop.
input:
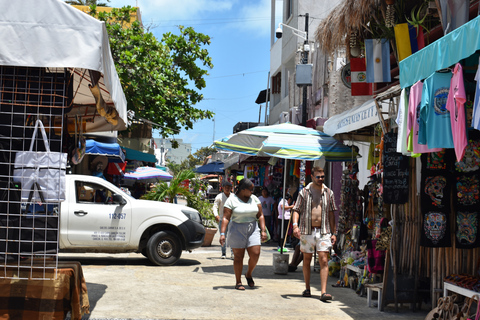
(239, 286)
(306, 293)
(325, 297)
(250, 281)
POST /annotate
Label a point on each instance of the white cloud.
(180, 9)
(253, 16)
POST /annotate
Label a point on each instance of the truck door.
(94, 220)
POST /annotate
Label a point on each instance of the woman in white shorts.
(243, 210)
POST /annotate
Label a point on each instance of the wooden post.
(396, 230)
(433, 283)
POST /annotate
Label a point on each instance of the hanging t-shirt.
(413, 121)
(435, 127)
(402, 118)
(467, 229)
(456, 106)
(476, 103)
(435, 201)
(466, 199)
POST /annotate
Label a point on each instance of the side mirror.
(117, 198)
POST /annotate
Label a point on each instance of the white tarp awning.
(354, 119)
(53, 34)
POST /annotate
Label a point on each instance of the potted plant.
(196, 201)
(163, 191)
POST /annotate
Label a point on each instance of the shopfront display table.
(462, 291)
(38, 294)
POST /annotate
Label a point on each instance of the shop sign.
(395, 172)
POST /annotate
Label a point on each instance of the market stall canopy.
(287, 141)
(52, 34)
(354, 119)
(111, 150)
(139, 156)
(212, 167)
(459, 44)
(148, 174)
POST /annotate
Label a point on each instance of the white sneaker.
(224, 256)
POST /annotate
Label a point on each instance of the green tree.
(174, 168)
(198, 157)
(161, 79)
(196, 200)
(164, 190)
(87, 3)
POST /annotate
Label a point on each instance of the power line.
(219, 19)
(236, 75)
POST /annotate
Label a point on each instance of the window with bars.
(277, 83)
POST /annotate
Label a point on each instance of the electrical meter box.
(304, 74)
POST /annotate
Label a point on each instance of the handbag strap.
(39, 123)
(35, 185)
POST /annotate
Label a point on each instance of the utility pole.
(305, 61)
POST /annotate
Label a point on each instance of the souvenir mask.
(434, 188)
(435, 226)
(467, 226)
(467, 190)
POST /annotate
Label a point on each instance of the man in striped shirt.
(314, 224)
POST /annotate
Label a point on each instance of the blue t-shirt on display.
(436, 129)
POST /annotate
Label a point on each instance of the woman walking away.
(243, 210)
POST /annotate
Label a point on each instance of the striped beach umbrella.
(148, 173)
(287, 141)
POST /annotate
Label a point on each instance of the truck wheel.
(163, 248)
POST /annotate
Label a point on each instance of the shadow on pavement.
(95, 293)
(127, 261)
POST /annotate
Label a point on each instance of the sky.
(240, 50)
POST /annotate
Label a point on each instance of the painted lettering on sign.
(395, 172)
(358, 116)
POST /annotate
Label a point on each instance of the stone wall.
(339, 95)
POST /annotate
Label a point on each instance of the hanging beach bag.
(41, 169)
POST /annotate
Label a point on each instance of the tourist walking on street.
(243, 210)
(267, 207)
(218, 206)
(284, 207)
(314, 224)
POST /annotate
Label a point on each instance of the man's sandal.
(325, 297)
(239, 286)
(306, 293)
(250, 281)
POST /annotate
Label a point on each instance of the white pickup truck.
(99, 217)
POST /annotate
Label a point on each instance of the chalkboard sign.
(395, 172)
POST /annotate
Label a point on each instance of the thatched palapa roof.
(346, 17)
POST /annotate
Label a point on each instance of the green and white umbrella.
(286, 141)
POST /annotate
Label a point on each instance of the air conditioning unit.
(295, 116)
(283, 117)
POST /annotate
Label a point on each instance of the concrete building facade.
(165, 153)
(327, 95)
